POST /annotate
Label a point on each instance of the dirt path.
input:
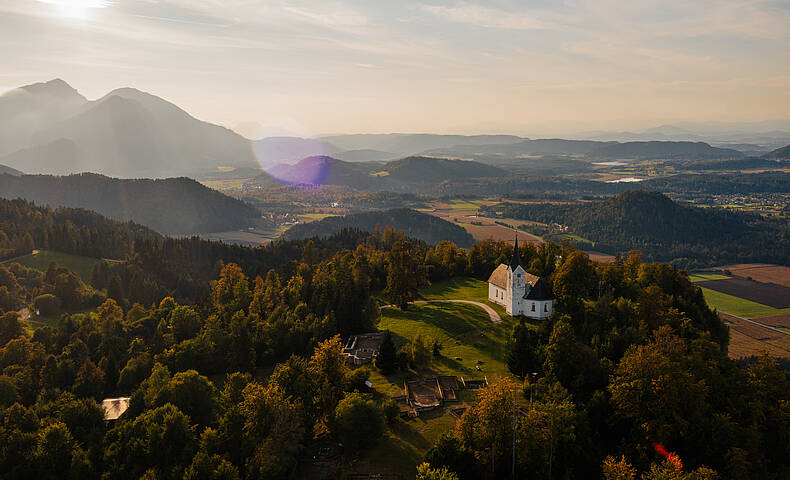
(495, 318)
(34, 252)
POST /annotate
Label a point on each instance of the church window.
(533, 306)
(545, 307)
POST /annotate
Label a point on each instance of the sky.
(311, 67)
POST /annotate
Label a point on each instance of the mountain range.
(393, 175)
(51, 128)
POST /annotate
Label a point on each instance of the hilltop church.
(521, 293)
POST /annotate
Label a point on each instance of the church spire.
(515, 262)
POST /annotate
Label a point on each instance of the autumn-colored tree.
(231, 292)
(425, 472)
(487, 426)
(273, 430)
(618, 469)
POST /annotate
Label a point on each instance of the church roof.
(515, 261)
(540, 290)
(499, 276)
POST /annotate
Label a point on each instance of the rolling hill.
(663, 229)
(51, 128)
(178, 206)
(431, 169)
(325, 170)
(421, 226)
(779, 154)
(661, 150)
(397, 175)
(405, 144)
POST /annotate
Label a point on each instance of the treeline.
(664, 230)
(517, 185)
(171, 206)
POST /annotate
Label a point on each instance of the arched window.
(545, 307)
(533, 306)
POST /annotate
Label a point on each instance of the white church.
(521, 293)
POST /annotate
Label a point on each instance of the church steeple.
(515, 262)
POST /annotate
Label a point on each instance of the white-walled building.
(521, 293)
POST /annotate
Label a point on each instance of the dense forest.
(172, 206)
(633, 375)
(664, 230)
(428, 228)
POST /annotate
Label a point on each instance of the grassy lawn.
(465, 332)
(739, 306)
(81, 266)
(467, 336)
(403, 446)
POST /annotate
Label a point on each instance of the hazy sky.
(331, 66)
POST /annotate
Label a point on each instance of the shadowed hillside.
(171, 206)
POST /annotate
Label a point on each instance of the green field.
(315, 216)
(703, 277)
(739, 306)
(461, 205)
(81, 266)
(403, 445)
(466, 333)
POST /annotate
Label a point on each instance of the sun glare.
(76, 9)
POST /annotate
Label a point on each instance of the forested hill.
(663, 229)
(433, 169)
(427, 228)
(170, 206)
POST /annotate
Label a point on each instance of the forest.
(664, 230)
(428, 228)
(237, 367)
(191, 207)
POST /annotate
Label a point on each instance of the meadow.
(40, 260)
(467, 336)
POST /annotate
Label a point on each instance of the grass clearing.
(403, 445)
(467, 335)
(702, 277)
(739, 306)
(41, 259)
(315, 216)
(465, 332)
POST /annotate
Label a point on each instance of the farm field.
(467, 335)
(40, 260)
(772, 295)
(747, 339)
(255, 237)
(762, 273)
(739, 306)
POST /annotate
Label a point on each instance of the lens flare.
(671, 457)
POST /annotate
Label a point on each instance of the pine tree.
(387, 359)
(521, 356)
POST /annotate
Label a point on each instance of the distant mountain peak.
(56, 88)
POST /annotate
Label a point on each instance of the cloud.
(487, 17)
